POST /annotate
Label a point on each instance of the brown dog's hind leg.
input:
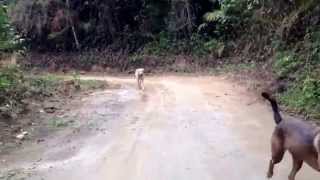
(297, 164)
(277, 150)
(270, 170)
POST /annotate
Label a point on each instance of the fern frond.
(202, 26)
(213, 16)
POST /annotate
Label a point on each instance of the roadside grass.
(57, 123)
(299, 67)
(302, 92)
(303, 97)
(17, 87)
(92, 84)
(232, 68)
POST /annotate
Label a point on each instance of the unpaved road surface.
(179, 128)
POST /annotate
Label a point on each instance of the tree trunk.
(189, 16)
(72, 26)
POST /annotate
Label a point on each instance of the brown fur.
(300, 138)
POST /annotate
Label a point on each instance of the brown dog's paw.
(269, 175)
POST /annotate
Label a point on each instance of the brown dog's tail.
(274, 105)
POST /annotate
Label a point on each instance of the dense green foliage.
(196, 45)
(8, 39)
(230, 16)
(61, 25)
(301, 64)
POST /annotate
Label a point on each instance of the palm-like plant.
(228, 16)
(8, 39)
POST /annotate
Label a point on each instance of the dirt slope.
(180, 128)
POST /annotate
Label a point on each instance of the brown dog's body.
(300, 138)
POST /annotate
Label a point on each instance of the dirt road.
(179, 128)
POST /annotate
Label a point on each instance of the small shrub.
(76, 79)
(42, 85)
(215, 47)
(160, 45)
(286, 62)
(58, 123)
(92, 84)
(15, 87)
(9, 39)
(302, 65)
(12, 91)
(277, 44)
(10, 77)
(304, 96)
(228, 18)
(196, 45)
(313, 40)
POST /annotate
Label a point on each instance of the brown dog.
(300, 138)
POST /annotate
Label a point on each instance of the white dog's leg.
(142, 83)
(316, 144)
(138, 82)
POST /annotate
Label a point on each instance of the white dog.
(139, 74)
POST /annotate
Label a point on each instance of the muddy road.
(179, 128)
